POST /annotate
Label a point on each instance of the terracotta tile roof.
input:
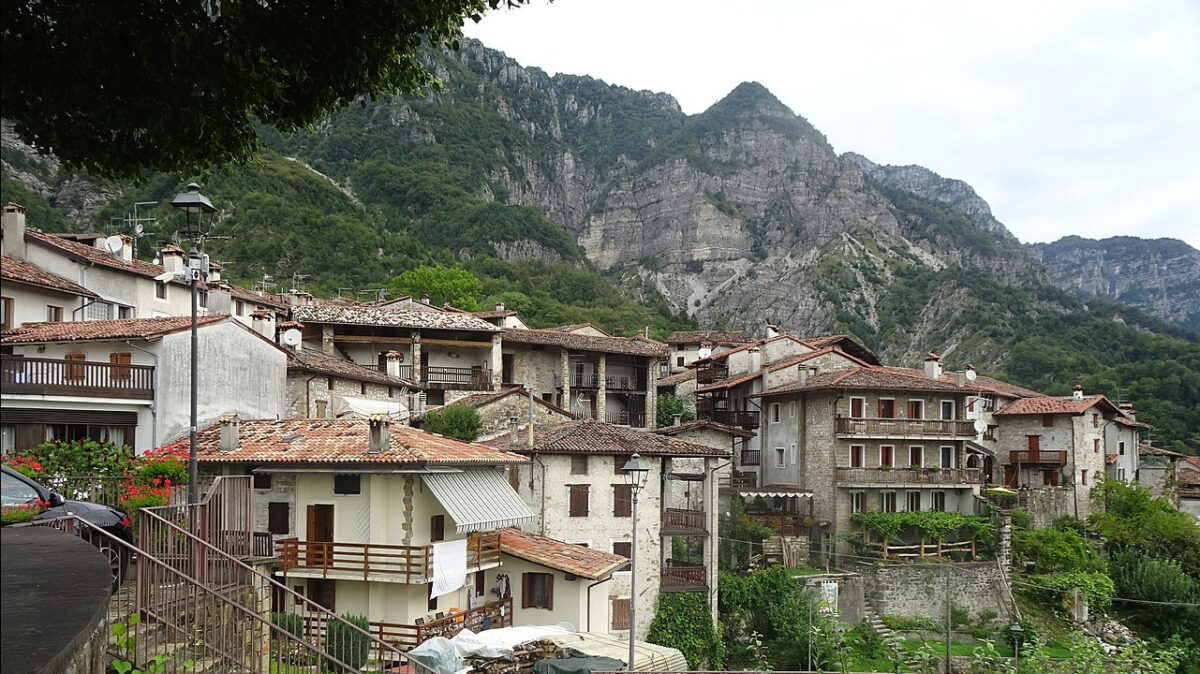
(275, 301)
(578, 326)
(809, 356)
(981, 383)
(311, 360)
(340, 441)
(867, 378)
(481, 399)
(1131, 423)
(80, 331)
(584, 562)
(1111, 458)
(401, 318)
(82, 251)
(731, 382)
(633, 346)
(705, 423)
(1054, 405)
(751, 345)
(677, 378)
(504, 313)
(709, 337)
(845, 343)
(594, 437)
(12, 269)
(1158, 451)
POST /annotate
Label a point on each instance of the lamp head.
(635, 471)
(193, 202)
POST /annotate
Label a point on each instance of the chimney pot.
(13, 242)
(380, 425)
(933, 366)
(1078, 395)
(676, 419)
(229, 431)
(499, 306)
(425, 298)
(773, 331)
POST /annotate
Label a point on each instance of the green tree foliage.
(741, 537)
(774, 606)
(461, 422)
(443, 284)
(1135, 520)
(348, 645)
(182, 88)
(1140, 576)
(682, 620)
(1054, 550)
(667, 406)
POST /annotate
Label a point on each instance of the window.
(579, 464)
(347, 484)
(202, 298)
(240, 307)
(118, 360)
(278, 513)
(329, 383)
(948, 410)
(775, 413)
(1120, 473)
(856, 501)
(792, 410)
(6, 310)
(619, 464)
(887, 501)
(857, 453)
(938, 502)
(947, 456)
(437, 528)
(912, 501)
(322, 405)
(160, 291)
(916, 454)
(1095, 420)
(261, 480)
(779, 457)
(887, 456)
(623, 548)
(124, 312)
(1121, 448)
(1083, 477)
(432, 604)
(916, 409)
(793, 454)
(887, 408)
(679, 361)
(537, 590)
(622, 500)
(1048, 420)
(8, 438)
(858, 407)
(1095, 445)
(362, 388)
(620, 614)
(578, 500)
(74, 368)
(322, 592)
(53, 313)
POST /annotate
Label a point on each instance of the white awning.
(361, 408)
(479, 500)
(766, 492)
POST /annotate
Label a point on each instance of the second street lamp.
(195, 207)
(635, 471)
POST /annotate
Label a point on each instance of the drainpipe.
(542, 498)
(154, 400)
(308, 395)
(85, 305)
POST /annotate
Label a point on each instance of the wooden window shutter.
(118, 359)
(549, 590)
(437, 528)
(620, 614)
(579, 500)
(74, 371)
(526, 590)
(622, 500)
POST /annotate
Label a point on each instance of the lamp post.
(192, 203)
(635, 476)
(1017, 633)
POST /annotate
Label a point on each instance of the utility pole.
(946, 573)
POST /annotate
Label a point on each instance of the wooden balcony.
(784, 525)
(60, 377)
(906, 476)
(1055, 457)
(903, 428)
(456, 378)
(679, 522)
(741, 418)
(680, 577)
(737, 481)
(707, 374)
(392, 563)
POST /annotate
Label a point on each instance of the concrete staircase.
(872, 617)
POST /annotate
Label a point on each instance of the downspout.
(588, 593)
(154, 400)
(308, 395)
(542, 496)
(85, 305)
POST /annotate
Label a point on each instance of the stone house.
(320, 385)
(1157, 469)
(687, 346)
(587, 372)
(128, 381)
(509, 407)
(1121, 440)
(576, 488)
(363, 512)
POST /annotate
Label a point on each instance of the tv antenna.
(351, 291)
(267, 284)
(296, 279)
(377, 292)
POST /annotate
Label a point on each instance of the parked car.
(18, 490)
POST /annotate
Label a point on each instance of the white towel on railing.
(449, 566)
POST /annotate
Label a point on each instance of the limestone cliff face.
(1160, 276)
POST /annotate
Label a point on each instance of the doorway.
(320, 535)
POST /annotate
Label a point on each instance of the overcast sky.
(1067, 117)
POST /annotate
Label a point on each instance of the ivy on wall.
(682, 620)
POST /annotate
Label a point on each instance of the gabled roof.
(85, 253)
(20, 271)
(584, 562)
(744, 347)
(1055, 405)
(730, 382)
(128, 328)
(704, 423)
(866, 378)
(1131, 423)
(633, 346)
(400, 318)
(845, 343)
(594, 437)
(796, 360)
(709, 337)
(575, 327)
(342, 442)
(481, 399)
(312, 360)
(677, 378)
(1158, 451)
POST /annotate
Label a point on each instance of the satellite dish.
(971, 374)
(291, 337)
(704, 352)
(138, 229)
(114, 244)
(980, 425)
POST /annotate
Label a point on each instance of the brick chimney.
(933, 366)
(381, 428)
(13, 241)
(229, 431)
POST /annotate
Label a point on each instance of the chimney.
(126, 252)
(425, 298)
(173, 258)
(933, 366)
(755, 359)
(803, 372)
(229, 431)
(773, 331)
(1078, 394)
(677, 419)
(214, 273)
(13, 241)
(1127, 408)
(381, 427)
(393, 359)
(499, 306)
(514, 430)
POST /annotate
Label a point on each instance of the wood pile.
(521, 662)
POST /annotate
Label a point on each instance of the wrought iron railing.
(57, 376)
(751, 457)
(905, 427)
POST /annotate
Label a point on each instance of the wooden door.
(1010, 476)
(319, 533)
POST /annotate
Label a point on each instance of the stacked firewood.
(521, 662)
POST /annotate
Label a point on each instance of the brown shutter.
(549, 590)
(620, 614)
(526, 590)
(579, 500)
(75, 372)
(437, 528)
(120, 359)
(622, 500)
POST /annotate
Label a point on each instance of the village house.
(500, 411)
(689, 345)
(586, 371)
(128, 381)
(412, 530)
(576, 487)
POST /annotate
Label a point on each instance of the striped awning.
(768, 492)
(478, 500)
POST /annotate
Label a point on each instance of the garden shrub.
(460, 422)
(682, 620)
(1055, 550)
(348, 645)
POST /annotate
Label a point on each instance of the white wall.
(29, 304)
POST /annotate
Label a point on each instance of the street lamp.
(635, 476)
(195, 207)
(1017, 633)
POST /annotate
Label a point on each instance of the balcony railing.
(679, 522)
(1056, 457)
(681, 577)
(742, 418)
(478, 619)
(634, 418)
(617, 382)
(751, 457)
(784, 525)
(55, 376)
(908, 428)
(457, 378)
(403, 371)
(738, 481)
(707, 374)
(398, 563)
(907, 476)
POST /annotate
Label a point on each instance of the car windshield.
(16, 492)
